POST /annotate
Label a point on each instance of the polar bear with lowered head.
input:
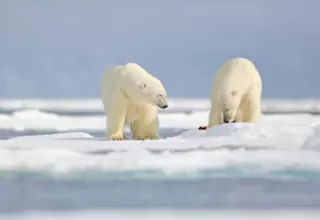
(131, 96)
(236, 93)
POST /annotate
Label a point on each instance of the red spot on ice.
(203, 128)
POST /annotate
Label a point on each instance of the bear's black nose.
(164, 106)
(229, 121)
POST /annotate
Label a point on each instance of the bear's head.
(152, 92)
(229, 105)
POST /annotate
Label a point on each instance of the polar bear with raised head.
(235, 93)
(131, 96)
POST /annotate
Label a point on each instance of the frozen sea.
(55, 162)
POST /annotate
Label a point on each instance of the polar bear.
(131, 96)
(235, 93)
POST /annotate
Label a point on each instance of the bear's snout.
(161, 101)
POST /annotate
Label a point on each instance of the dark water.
(28, 192)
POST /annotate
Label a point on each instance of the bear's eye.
(143, 86)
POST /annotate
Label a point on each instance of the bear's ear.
(142, 85)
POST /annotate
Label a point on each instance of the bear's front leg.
(115, 121)
(252, 111)
(137, 130)
(214, 116)
(143, 129)
(147, 137)
(115, 127)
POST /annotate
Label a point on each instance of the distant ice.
(182, 113)
(175, 105)
(92, 105)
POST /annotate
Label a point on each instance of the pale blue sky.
(59, 49)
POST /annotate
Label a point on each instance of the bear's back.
(241, 67)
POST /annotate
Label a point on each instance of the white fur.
(131, 96)
(236, 93)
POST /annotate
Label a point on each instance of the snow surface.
(278, 143)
